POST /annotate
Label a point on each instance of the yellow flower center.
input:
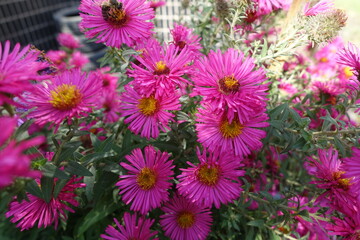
(146, 179)
(348, 72)
(65, 97)
(185, 219)
(114, 13)
(343, 183)
(148, 106)
(208, 175)
(231, 130)
(324, 59)
(161, 68)
(229, 84)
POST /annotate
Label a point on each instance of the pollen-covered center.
(343, 183)
(208, 174)
(146, 179)
(231, 130)
(186, 219)
(148, 106)
(348, 73)
(65, 97)
(161, 68)
(114, 13)
(229, 84)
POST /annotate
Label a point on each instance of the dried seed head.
(222, 8)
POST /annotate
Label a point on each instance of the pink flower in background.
(214, 181)
(351, 167)
(161, 71)
(350, 57)
(184, 36)
(14, 163)
(37, 210)
(320, 7)
(184, 219)
(147, 115)
(17, 69)
(109, 80)
(239, 136)
(134, 228)
(78, 60)
(68, 40)
(156, 4)
(70, 94)
(115, 22)
(148, 181)
(58, 58)
(112, 106)
(267, 6)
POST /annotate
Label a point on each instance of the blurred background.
(38, 21)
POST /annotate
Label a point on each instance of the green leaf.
(33, 188)
(92, 157)
(77, 169)
(47, 188)
(50, 170)
(68, 151)
(256, 223)
(59, 186)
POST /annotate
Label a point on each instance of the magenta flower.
(70, 94)
(350, 57)
(115, 22)
(27, 213)
(68, 40)
(267, 6)
(17, 70)
(184, 219)
(78, 60)
(214, 181)
(226, 79)
(134, 228)
(148, 180)
(14, 163)
(160, 71)
(351, 168)
(239, 136)
(320, 7)
(184, 36)
(147, 115)
(111, 104)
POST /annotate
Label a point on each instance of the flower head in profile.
(134, 228)
(68, 40)
(350, 57)
(184, 219)
(238, 136)
(18, 68)
(148, 180)
(214, 181)
(37, 210)
(70, 94)
(183, 36)
(14, 163)
(319, 7)
(147, 115)
(115, 22)
(351, 167)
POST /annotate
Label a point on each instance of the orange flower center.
(229, 84)
(185, 219)
(209, 175)
(231, 130)
(65, 97)
(343, 183)
(114, 13)
(324, 59)
(148, 106)
(146, 179)
(161, 68)
(348, 73)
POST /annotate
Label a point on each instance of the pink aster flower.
(37, 210)
(351, 167)
(239, 136)
(112, 107)
(147, 183)
(156, 4)
(350, 57)
(184, 219)
(184, 36)
(14, 163)
(109, 80)
(214, 181)
(161, 71)
(78, 60)
(68, 40)
(115, 22)
(17, 69)
(147, 115)
(320, 7)
(70, 94)
(225, 79)
(267, 6)
(134, 228)
(58, 58)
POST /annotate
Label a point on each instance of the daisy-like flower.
(350, 57)
(184, 36)
(17, 69)
(215, 180)
(70, 94)
(134, 228)
(239, 136)
(161, 70)
(147, 181)
(147, 114)
(320, 7)
(115, 22)
(351, 167)
(184, 219)
(68, 40)
(37, 210)
(225, 79)
(111, 104)
(14, 163)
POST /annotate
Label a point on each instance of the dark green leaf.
(77, 169)
(33, 188)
